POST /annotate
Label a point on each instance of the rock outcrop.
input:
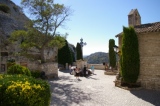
(14, 20)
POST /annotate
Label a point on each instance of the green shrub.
(18, 69)
(10, 63)
(21, 90)
(130, 61)
(112, 54)
(36, 74)
(4, 8)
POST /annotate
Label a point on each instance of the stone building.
(149, 50)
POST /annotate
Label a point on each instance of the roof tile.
(144, 28)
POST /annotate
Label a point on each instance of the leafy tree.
(41, 31)
(130, 62)
(32, 40)
(79, 51)
(65, 55)
(112, 55)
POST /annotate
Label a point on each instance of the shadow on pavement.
(65, 71)
(150, 96)
(89, 77)
(66, 94)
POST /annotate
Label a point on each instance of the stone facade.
(149, 51)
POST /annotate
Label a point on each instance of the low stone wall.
(97, 66)
(50, 68)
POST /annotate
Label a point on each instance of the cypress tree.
(130, 62)
(79, 51)
(65, 55)
(112, 54)
(73, 56)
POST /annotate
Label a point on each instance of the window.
(4, 53)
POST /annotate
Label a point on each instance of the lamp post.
(82, 44)
(116, 49)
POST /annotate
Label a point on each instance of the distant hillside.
(97, 58)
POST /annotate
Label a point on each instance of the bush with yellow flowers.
(21, 90)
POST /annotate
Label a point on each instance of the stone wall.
(149, 49)
(50, 54)
(50, 68)
(81, 63)
(97, 66)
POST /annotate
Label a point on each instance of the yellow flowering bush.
(21, 90)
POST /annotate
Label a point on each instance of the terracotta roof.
(150, 27)
(144, 28)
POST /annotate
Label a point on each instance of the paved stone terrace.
(97, 90)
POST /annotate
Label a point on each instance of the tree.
(41, 31)
(73, 56)
(79, 51)
(112, 55)
(65, 55)
(33, 40)
(130, 62)
(73, 51)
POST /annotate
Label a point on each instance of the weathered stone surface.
(50, 69)
(81, 63)
(149, 59)
(15, 20)
(50, 54)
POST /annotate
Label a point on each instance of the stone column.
(66, 66)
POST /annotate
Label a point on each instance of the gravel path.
(97, 90)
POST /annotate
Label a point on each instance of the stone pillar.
(50, 69)
(66, 66)
(81, 63)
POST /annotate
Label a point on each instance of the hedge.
(21, 90)
(130, 61)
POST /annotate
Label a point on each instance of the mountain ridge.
(97, 58)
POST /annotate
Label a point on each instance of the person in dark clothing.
(84, 70)
(77, 73)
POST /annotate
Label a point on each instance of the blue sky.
(97, 21)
